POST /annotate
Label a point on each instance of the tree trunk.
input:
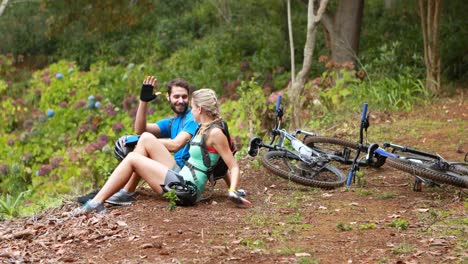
(344, 28)
(389, 4)
(291, 43)
(430, 14)
(297, 87)
(3, 5)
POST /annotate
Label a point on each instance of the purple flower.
(84, 128)
(104, 138)
(79, 104)
(10, 142)
(128, 102)
(56, 162)
(46, 80)
(4, 170)
(28, 124)
(117, 126)
(110, 110)
(44, 170)
(91, 147)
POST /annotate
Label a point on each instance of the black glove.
(147, 94)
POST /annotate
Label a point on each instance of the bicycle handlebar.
(364, 112)
(364, 125)
(278, 103)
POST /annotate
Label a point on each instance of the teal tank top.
(196, 159)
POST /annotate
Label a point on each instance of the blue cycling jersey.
(177, 124)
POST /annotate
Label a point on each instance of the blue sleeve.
(164, 127)
(190, 126)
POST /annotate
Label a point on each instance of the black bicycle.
(290, 158)
(427, 167)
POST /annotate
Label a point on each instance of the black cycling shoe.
(83, 199)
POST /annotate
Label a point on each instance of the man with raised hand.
(174, 133)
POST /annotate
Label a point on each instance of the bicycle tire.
(456, 167)
(290, 167)
(424, 170)
(337, 147)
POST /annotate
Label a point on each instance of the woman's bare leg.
(153, 172)
(150, 146)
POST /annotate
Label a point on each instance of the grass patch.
(364, 192)
(385, 195)
(403, 248)
(343, 227)
(367, 226)
(251, 243)
(401, 224)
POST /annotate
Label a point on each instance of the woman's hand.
(237, 199)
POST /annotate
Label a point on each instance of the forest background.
(70, 74)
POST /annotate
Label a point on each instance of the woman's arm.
(218, 141)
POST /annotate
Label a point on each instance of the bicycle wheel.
(426, 170)
(456, 167)
(459, 168)
(341, 150)
(289, 166)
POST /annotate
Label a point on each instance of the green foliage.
(238, 113)
(388, 84)
(250, 243)
(172, 197)
(343, 227)
(10, 206)
(401, 224)
(59, 137)
(367, 226)
(403, 248)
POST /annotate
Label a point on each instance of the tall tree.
(344, 29)
(3, 5)
(430, 14)
(291, 43)
(297, 86)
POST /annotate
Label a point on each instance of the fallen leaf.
(121, 223)
(423, 210)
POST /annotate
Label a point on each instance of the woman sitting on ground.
(188, 184)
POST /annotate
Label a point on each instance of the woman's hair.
(206, 99)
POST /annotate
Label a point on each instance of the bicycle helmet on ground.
(186, 192)
(120, 148)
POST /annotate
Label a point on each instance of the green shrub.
(238, 113)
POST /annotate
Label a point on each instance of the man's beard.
(174, 108)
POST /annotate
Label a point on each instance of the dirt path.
(379, 221)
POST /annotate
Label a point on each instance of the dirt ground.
(379, 220)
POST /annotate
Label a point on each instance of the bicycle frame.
(305, 153)
(373, 151)
(296, 162)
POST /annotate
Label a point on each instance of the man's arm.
(140, 121)
(146, 96)
(173, 145)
